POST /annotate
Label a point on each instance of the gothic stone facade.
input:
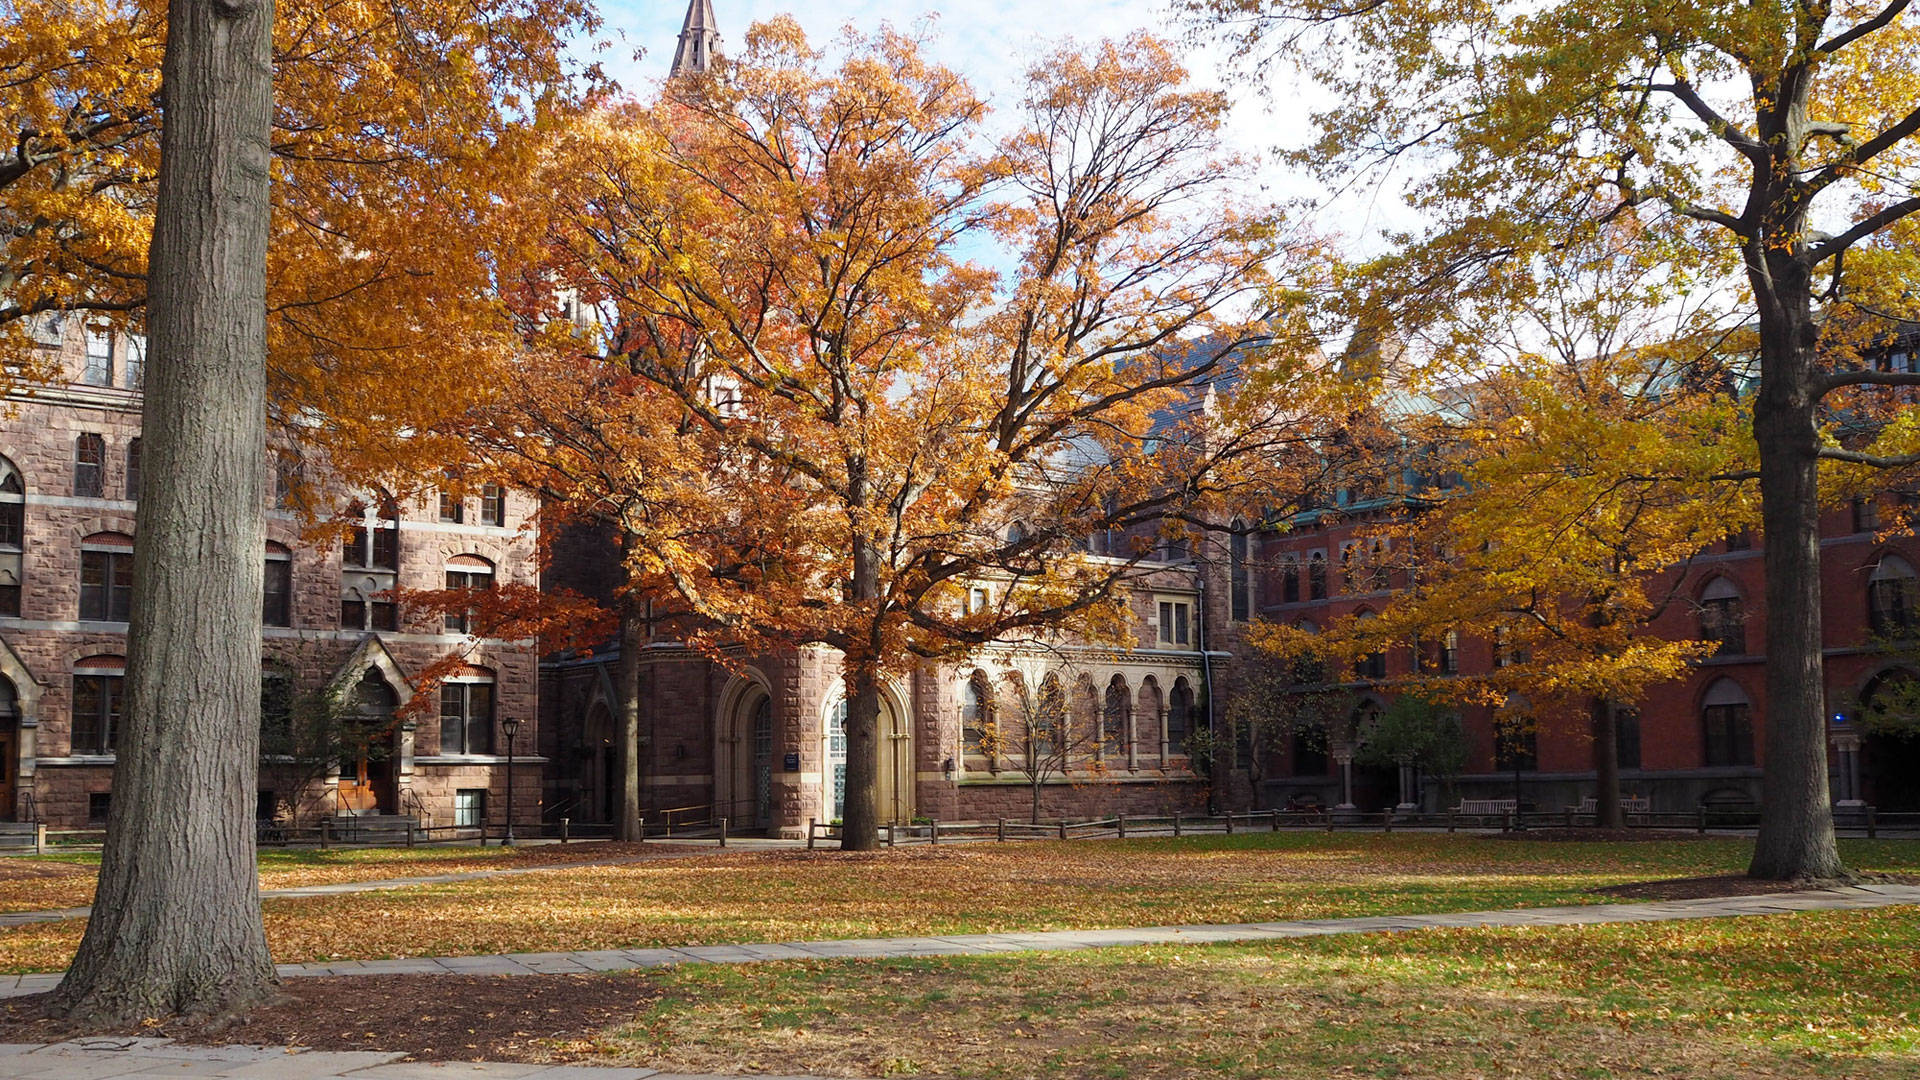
(68, 522)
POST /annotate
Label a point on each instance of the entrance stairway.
(17, 835)
(382, 829)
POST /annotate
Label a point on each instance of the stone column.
(1409, 792)
(1846, 747)
(1343, 756)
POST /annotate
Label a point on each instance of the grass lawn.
(975, 888)
(65, 879)
(1809, 995)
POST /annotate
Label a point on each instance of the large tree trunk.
(1796, 814)
(176, 922)
(1606, 766)
(860, 820)
(632, 641)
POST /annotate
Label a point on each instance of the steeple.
(699, 39)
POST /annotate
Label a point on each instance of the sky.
(991, 42)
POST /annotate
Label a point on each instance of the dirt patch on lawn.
(1704, 888)
(426, 1017)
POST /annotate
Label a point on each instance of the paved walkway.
(1853, 897)
(145, 1059)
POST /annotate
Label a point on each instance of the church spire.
(699, 39)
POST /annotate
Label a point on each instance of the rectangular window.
(99, 369)
(1626, 738)
(353, 613)
(978, 600)
(99, 805)
(96, 713)
(106, 585)
(453, 509)
(493, 505)
(386, 545)
(1729, 735)
(276, 598)
(469, 807)
(1290, 581)
(1515, 745)
(134, 372)
(89, 466)
(466, 718)
(385, 615)
(1866, 514)
(1174, 620)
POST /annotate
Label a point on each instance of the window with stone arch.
(467, 704)
(13, 537)
(976, 718)
(1179, 716)
(1317, 576)
(1726, 720)
(1114, 716)
(97, 693)
(466, 573)
(106, 577)
(837, 761)
(1893, 598)
(1723, 619)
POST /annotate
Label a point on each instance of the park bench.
(1486, 806)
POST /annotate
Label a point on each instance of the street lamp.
(511, 726)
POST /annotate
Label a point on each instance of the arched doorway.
(743, 782)
(1890, 751)
(367, 766)
(9, 750)
(600, 786)
(896, 792)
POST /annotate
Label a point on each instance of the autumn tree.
(176, 926)
(827, 426)
(1577, 449)
(402, 138)
(1774, 144)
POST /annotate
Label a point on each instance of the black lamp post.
(511, 726)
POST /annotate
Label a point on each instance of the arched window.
(89, 466)
(1241, 580)
(1450, 652)
(1290, 580)
(1723, 620)
(133, 470)
(97, 682)
(1379, 574)
(1374, 664)
(1727, 718)
(1179, 715)
(1016, 532)
(761, 733)
(1352, 573)
(837, 759)
(1893, 598)
(1317, 576)
(106, 577)
(276, 595)
(1113, 719)
(13, 537)
(466, 572)
(466, 713)
(374, 700)
(976, 714)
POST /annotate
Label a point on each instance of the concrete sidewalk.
(1853, 897)
(108, 1057)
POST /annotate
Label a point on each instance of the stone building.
(69, 509)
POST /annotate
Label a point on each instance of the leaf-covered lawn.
(1831, 994)
(978, 888)
(65, 879)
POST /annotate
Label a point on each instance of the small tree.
(305, 734)
(1416, 731)
(1039, 737)
(1284, 702)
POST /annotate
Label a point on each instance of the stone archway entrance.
(744, 758)
(896, 794)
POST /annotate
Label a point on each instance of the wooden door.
(356, 786)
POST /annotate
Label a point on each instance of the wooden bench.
(1486, 806)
